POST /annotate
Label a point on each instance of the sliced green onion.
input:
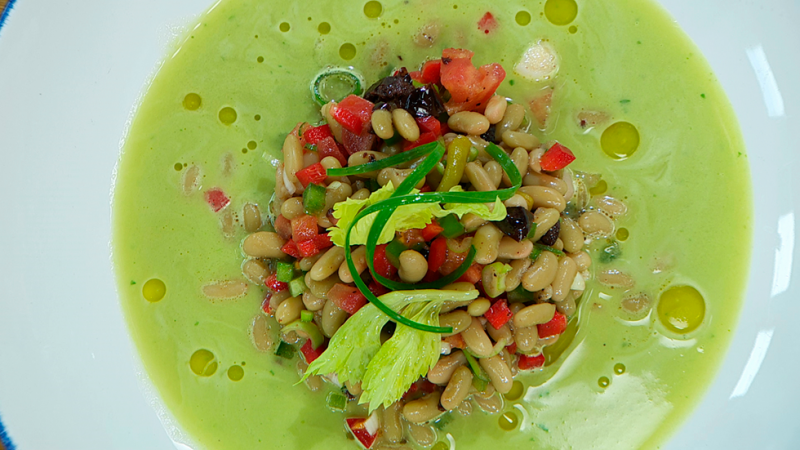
(284, 271)
(306, 315)
(399, 158)
(307, 330)
(314, 198)
(335, 84)
(480, 380)
(297, 286)
(336, 401)
(532, 232)
(535, 253)
(451, 226)
(311, 147)
(549, 249)
(473, 154)
(285, 350)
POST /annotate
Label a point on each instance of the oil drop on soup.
(632, 98)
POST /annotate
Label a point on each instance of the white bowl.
(70, 73)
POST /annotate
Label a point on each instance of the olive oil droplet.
(620, 140)
(603, 382)
(252, 145)
(227, 115)
(516, 391)
(681, 309)
(203, 363)
(235, 373)
(373, 9)
(324, 28)
(619, 368)
(192, 101)
(623, 234)
(284, 27)
(347, 51)
(523, 18)
(560, 12)
(600, 188)
(508, 421)
(154, 290)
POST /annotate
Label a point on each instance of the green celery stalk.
(284, 271)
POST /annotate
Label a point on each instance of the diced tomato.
(557, 325)
(424, 138)
(429, 73)
(381, 262)
(310, 353)
(531, 362)
(377, 289)
(314, 173)
(217, 199)
(437, 254)
(473, 274)
(273, 283)
(358, 428)
(290, 248)
(328, 147)
(487, 23)
(315, 134)
(354, 113)
(307, 248)
(322, 241)
(410, 238)
(354, 143)
(470, 88)
(265, 306)
(430, 124)
(424, 189)
(512, 348)
(556, 158)
(455, 341)
(431, 230)
(426, 386)
(499, 314)
(283, 227)
(304, 228)
(347, 298)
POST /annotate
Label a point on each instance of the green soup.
(622, 381)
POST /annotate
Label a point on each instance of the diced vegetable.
(310, 354)
(283, 227)
(531, 362)
(437, 254)
(313, 198)
(354, 114)
(429, 124)
(536, 252)
(520, 294)
(307, 330)
(555, 326)
(487, 23)
(274, 284)
(307, 248)
(335, 84)
(470, 88)
(556, 158)
(306, 316)
(499, 314)
(512, 348)
(546, 248)
(347, 298)
(381, 262)
(457, 153)
(517, 224)
(304, 228)
(455, 341)
(314, 173)
(429, 73)
(322, 241)
(297, 286)
(290, 248)
(451, 226)
(480, 380)
(284, 350)
(424, 138)
(358, 426)
(217, 199)
(336, 401)
(328, 147)
(393, 251)
(284, 271)
(315, 134)
(494, 278)
(354, 143)
(473, 274)
(431, 230)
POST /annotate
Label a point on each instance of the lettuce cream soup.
(238, 82)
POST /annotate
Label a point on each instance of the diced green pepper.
(284, 271)
(520, 294)
(297, 286)
(336, 401)
(313, 198)
(452, 227)
(393, 250)
(306, 315)
(535, 253)
(285, 350)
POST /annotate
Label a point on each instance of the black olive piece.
(489, 135)
(517, 223)
(392, 90)
(551, 236)
(425, 101)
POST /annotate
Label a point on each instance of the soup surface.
(239, 81)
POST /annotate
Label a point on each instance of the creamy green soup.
(623, 381)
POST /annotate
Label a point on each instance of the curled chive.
(383, 163)
(321, 91)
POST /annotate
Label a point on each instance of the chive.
(372, 184)
(535, 253)
(399, 158)
(480, 380)
(284, 272)
(311, 147)
(520, 295)
(393, 251)
(480, 384)
(285, 350)
(451, 226)
(326, 82)
(297, 286)
(306, 315)
(549, 249)
(533, 231)
(336, 401)
(314, 198)
(443, 420)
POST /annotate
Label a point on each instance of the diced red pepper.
(314, 173)
(424, 189)
(424, 138)
(304, 228)
(473, 274)
(512, 348)
(429, 73)
(273, 283)
(556, 158)
(354, 113)
(499, 314)
(530, 362)
(426, 386)
(347, 298)
(290, 248)
(383, 266)
(557, 325)
(315, 134)
(310, 353)
(431, 230)
(487, 23)
(354, 143)
(377, 289)
(217, 199)
(437, 254)
(307, 248)
(358, 428)
(455, 341)
(283, 227)
(430, 124)
(322, 241)
(328, 147)
(470, 87)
